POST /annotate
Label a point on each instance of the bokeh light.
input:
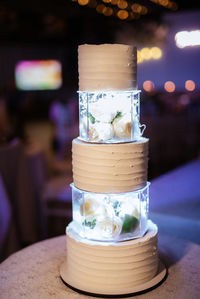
(145, 53)
(156, 53)
(169, 86)
(136, 8)
(149, 53)
(83, 2)
(114, 2)
(190, 85)
(107, 11)
(164, 2)
(187, 38)
(148, 86)
(144, 10)
(100, 8)
(122, 4)
(122, 14)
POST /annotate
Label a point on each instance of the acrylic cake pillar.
(104, 212)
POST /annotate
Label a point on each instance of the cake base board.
(147, 286)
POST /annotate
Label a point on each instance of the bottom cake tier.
(106, 267)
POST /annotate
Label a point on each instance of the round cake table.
(34, 271)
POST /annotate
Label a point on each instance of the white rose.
(102, 111)
(122, 126)
(100, 132)
(109, 228)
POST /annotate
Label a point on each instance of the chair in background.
(8, 237)
(16, 178)
(52, 194)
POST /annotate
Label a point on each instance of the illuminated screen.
(38, 75)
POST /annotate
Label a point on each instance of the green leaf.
(91, 118)
(129, 224)
(118, 114)
(116, 207)
(90, 224)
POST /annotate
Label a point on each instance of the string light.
(114, 2)
(124, 9)
(107, 11)
(169, 86)
(122, 14)
(166, 3)
(100, 8)
(136, 8)
(83, 2)
(122, 4)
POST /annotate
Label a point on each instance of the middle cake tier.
(110, 168)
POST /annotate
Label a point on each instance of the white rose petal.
(122, 126)
(109, 228)
(100, 131)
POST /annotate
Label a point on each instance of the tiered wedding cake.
(111, 244)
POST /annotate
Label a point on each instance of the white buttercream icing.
(107, 67)
(106, 267)
(110, 168)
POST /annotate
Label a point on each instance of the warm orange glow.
(122, 14)
(83, 2)
(190, 85)
(107, 11)
(136, 8)
(169, 86)
(174, 6)
(92, 3)
(122, 4)
(114, 2)
(148, 86)
(106, 1)
(100, 8)
(144, 10)
(164, 2)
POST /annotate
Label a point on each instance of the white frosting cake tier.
(110, 168)
(104, 267)
(107, 67)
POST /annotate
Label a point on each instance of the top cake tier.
(107, 67)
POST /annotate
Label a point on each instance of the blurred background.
(39, 102)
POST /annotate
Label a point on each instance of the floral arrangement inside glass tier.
(110, 217)
(111, 116)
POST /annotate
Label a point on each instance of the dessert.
(111, 244)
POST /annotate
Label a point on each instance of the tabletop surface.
(34, 271)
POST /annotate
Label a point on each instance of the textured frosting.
(104, 267)
(107, 67)
(110, 168)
